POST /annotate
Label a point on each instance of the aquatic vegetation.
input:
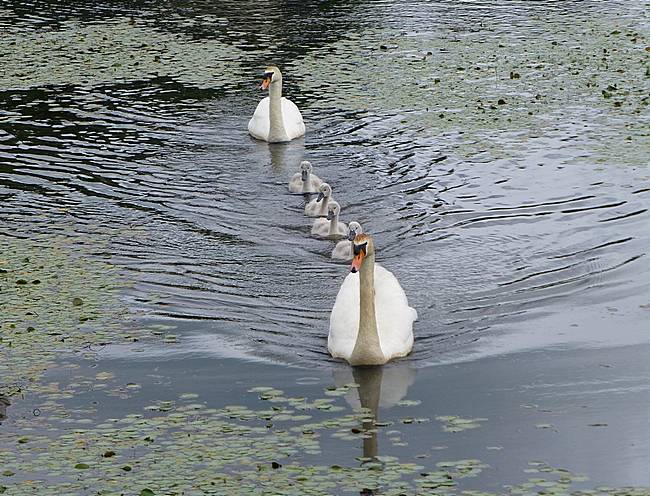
(57, 301)
(54, 301)
(491, 92)
(587, 77)
(183, 447)
(452, 423)
(117, 51)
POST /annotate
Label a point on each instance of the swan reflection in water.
(284, 157)
(278, 156)
(380, 387)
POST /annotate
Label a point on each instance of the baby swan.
(343, 249)
(318, 206)
(330, 227)
(276, 119)
(305, 181)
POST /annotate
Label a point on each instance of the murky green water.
(498, 154)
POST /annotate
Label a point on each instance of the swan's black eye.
(268, 75)
(360, 248)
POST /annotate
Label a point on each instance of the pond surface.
(497, 152)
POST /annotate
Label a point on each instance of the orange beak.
(356, 262)
(265, 83)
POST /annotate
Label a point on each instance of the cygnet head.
(333, 210)
(305, 169)
(271, 75)
(362, 247)
(325, 190)
(354, 229)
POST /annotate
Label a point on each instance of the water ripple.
(492, 215)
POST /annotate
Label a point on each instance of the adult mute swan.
(318, 206)
(276, 119)
(371, 322)
(304, 181)
(330, 227)
(343, 249)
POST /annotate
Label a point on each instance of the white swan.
(304, 181)
(318, 206)
(343, 249)
(276, 119)
(330, 227)
(371, 322)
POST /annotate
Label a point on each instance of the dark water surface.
(498, 153)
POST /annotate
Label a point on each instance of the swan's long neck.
(367, 350)
(323, 205)
(334, 223)
(306, 184)
(276, 130)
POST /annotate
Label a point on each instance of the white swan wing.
(344, 319)
(293, 123)
(260, 124)
(394, 315)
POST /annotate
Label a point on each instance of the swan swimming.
(343, 249)
(330, 227)
(371, 322)
(305, 181)
(318, 206)
(276, 119)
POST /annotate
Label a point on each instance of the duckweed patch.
(186, 448)
(108, 52)
(74, 308)
(452, 423)
(588, 77)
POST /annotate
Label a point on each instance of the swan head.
(271, 75)
(362, 247)
(325, 190)
(305, 169)
(354, 229)
(333, 210)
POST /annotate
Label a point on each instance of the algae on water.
(54, 300)
(117, 51)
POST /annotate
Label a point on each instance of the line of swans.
(371, 322)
